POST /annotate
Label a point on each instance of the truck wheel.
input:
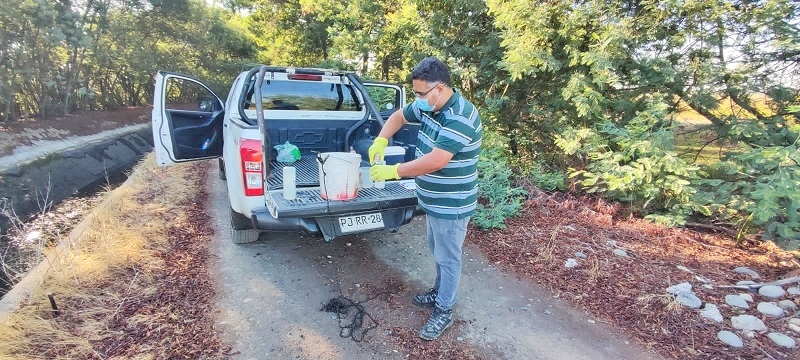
(221, 169)
(244, 236)
(241, 229)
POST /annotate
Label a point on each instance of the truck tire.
(221, 169)
(241, 229)
(244, 236)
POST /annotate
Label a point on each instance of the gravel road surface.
(270, 293)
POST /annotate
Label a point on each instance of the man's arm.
(393, 124)
(426, 164)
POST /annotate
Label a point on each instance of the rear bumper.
(328, 225)
(311, 213)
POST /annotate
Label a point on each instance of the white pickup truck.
(316, 110)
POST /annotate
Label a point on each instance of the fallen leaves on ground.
(630, 292)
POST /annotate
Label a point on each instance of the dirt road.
(271, 291)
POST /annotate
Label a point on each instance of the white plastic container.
(366, 179)
(394, 155)
(338, 175)
(289, 186)
(379, 184)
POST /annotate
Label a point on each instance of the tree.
(609, 69)
(60, 56)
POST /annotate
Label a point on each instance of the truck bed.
(307, 173)
(309, 203)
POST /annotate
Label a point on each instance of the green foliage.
(57, 57)
(760, 186)
(606, 78)
(499, 197)
(547, 179)
(591, 87)
(634, 163)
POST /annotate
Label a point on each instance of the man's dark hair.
(431, 70)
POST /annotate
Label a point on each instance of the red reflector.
(252, 176)
(305, 77)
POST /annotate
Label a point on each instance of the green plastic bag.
(287, 153)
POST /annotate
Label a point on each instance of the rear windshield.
(306, 95)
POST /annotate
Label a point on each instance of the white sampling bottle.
(289, 188)
(379, 184)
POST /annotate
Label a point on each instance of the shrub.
(758, 185)
(634, 163)
(499, 197)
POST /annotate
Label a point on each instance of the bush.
(756, 187)
(499, 197)
(634, 163)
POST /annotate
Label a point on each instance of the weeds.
(547, 252)
(594, 270)
(23, 245)
(669, 301)
(125, 240)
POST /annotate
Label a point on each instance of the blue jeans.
(445, 239)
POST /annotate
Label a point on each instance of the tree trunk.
(385, 64)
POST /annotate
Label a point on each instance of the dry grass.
(119, 257)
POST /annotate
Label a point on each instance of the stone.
(620, 252)
(748, 322)
(782, 340)
(737, 301)
(709, 287)
(746, 297)
(580, 255)
(684, 268)
(701, 279)
(745, 282)
(710, 311)
(689, 300)
(680, 288)
(794, 328)
(749, 334)
(747, 271)
(769, 309)
(33, 237)
(570, 263)
(795, 321)
(794, 290)
(787, 305)
(730, 338)
(771, 291)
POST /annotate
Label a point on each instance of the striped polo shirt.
(452, 192)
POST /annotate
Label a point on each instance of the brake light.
(252, 160)
(305, 77)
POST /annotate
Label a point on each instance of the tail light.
(252, 160)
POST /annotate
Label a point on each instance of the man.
(446, 172)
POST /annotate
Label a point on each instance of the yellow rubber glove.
(377, 148)
(384, 172)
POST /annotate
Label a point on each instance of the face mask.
(423, 105)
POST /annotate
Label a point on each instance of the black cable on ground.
(355, 330)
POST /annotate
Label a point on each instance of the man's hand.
(384, 172)
(377, 148)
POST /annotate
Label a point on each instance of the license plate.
(361, 222)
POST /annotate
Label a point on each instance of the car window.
(307, 95)
(385, 98)
(181, 94)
